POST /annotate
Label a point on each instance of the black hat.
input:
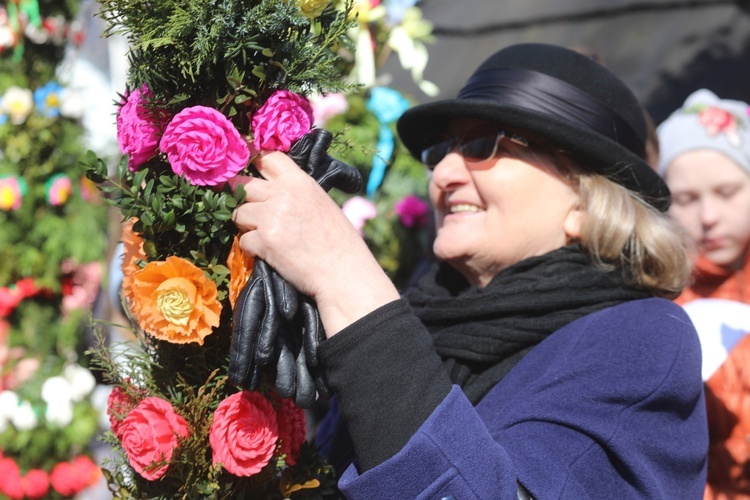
(561, 97)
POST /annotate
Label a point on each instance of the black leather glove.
(274, 325)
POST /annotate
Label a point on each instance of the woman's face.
(711, 200)
(492, 214)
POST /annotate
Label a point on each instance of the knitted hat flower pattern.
(706, 122)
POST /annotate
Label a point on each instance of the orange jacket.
(728, 389)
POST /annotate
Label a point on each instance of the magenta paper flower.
(12, 189)
(413, 211)
(138, 127)
(283, 118)
(58, 189)
(203, 146)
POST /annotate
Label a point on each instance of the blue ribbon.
(387, 105)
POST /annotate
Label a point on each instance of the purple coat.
(610, 406)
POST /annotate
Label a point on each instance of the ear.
(573, 223)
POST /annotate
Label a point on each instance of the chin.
(726, 257)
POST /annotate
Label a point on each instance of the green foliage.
(228, 54)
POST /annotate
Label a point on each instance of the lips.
(712, 243)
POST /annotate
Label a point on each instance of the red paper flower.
(244, 433)
(292, 429)
(150, 433)
(35, 483)
(10, 485)
(119, 404)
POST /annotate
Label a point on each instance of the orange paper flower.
(174, 301)
(240, 268)
(132, 251)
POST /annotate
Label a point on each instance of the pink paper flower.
(413, 211)
(58, 189)
(327, 106)
(244, 433)
(11, 192)
(138, 127)
(84, 281)
(150, 433)
(283, 118)
(203, 146)
(292, 429)
(359, 210)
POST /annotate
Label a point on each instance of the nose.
(709, 212)
(451, 172)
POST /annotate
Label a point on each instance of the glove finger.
(286, 296)
(321, 141)
(341, 176)
(313, 332)
(269, 326)
(304, 393)
(285, 366)
(300, 152)
(320, 383)
(246, 318)
(253, 381)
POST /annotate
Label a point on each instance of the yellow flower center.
(176, 300)
(52, 100)
(7, 198)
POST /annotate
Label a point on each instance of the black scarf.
(481, 333)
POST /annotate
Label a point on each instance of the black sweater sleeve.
(388, 379)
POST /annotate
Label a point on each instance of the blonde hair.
(620, 229)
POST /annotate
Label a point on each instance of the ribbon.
(387, 105)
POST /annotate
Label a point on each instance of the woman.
(705, 161)
(536, 357)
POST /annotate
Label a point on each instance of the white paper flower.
(81, 381)
(17, 103)
(8, 401)
(24, 418)
(59, 413)
(7, 37)
(72, 103)
(57, 390)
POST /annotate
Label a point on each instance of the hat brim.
(592, 151)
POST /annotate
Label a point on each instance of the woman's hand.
(290, 222)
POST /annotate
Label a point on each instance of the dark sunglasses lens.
(479, 148)
(432, 155)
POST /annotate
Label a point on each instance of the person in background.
(541, 356)
(705, 160)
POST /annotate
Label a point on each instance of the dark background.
(664, 50)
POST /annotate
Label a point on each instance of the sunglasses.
(476, 145)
